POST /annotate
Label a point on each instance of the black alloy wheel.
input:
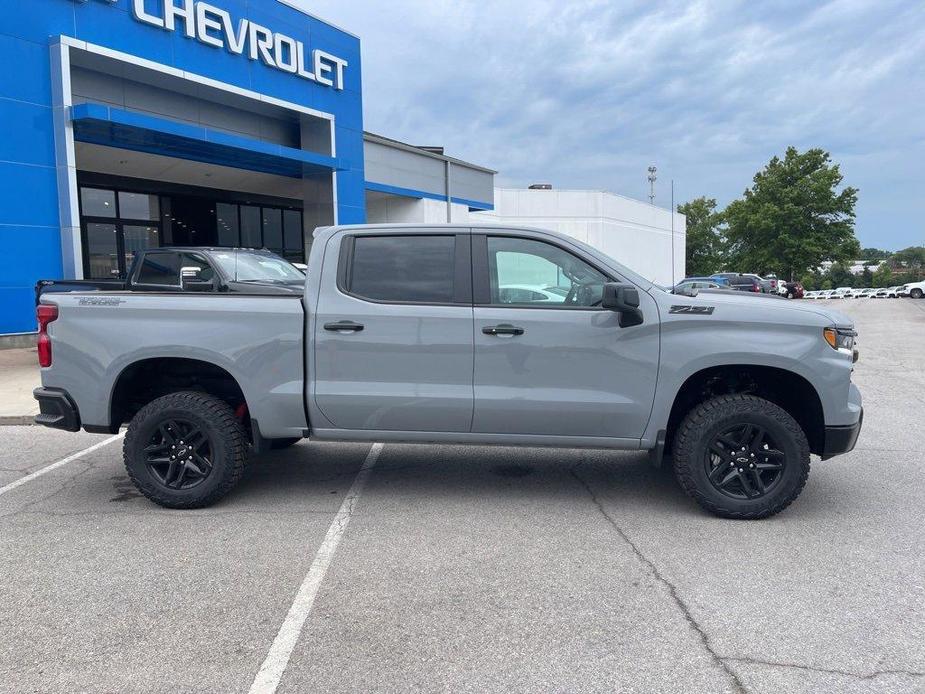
(744, 462)
(185, 450)
(741, 456)
(179, 454)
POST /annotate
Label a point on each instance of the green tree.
(867, 277)
(704, 236)
(909, 263)
(794, 216)
(883, 277)
(840, 276)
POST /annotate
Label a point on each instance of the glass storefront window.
(138, 238)
(273, 229)
(229, 230)
(139, 206)
(292, 232)
(102, 251)
(95, 202)
(250, 227)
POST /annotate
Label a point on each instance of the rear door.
(393, 331)
(556, 368)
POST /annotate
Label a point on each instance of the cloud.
(589, 93)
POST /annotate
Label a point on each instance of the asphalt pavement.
(475, 569)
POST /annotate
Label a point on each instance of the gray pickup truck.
(456, 334)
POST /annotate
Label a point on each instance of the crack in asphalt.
(831, 671)
(672, 590)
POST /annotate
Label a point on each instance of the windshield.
(246, 266)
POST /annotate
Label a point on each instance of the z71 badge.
(697, 310)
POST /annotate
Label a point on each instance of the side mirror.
(623, 299)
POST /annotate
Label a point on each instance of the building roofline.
(398, 144)
(299, 8)
(588, 190)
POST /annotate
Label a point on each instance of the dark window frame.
(118, 221)
(481, 274)
(462, 270)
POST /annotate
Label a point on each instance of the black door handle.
(503, 329)
(344, 325)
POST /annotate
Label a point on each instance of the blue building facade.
(131, 123)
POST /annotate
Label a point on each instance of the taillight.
(46, 314)
(756, 288)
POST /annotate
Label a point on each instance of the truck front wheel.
(740, 456)
(916, 293)
(185, 450)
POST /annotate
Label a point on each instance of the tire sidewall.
(786, 434)
(141, 430)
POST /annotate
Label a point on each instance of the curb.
(17, 420)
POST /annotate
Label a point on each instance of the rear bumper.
(841, 439)
(57, 410)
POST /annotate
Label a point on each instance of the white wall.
(635, 233)
(393, 209)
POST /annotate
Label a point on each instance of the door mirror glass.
(623, 299)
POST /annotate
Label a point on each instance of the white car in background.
(914, 289)
(531, 294)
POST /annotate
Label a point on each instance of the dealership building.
(130, 124)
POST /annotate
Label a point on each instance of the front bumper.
(841, 439)
(57, 410)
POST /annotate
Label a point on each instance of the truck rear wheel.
(185, 450)
(740, 456)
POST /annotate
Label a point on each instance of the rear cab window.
(406, 268)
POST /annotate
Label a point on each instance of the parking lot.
(485, 569)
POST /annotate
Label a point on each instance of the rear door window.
(404, 269)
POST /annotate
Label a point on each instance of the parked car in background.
(914, 289)
(195, 269)
(791, 290)
(690, 285)
(740, 282)
(524, 293)
(865, 293)
(893, 292)
(722, 281)
(766, 285)
(881, 293)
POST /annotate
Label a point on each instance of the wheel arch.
(144, 380)
(785, 388)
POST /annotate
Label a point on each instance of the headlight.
(841, 339)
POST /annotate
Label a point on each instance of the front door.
(548, 360)
(393, 340)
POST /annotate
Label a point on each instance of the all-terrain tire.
(227, 448)
(916, 293)
(692, 460)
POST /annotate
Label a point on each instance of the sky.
(589, 93)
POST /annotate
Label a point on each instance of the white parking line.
(271, 672)
(54, 466)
